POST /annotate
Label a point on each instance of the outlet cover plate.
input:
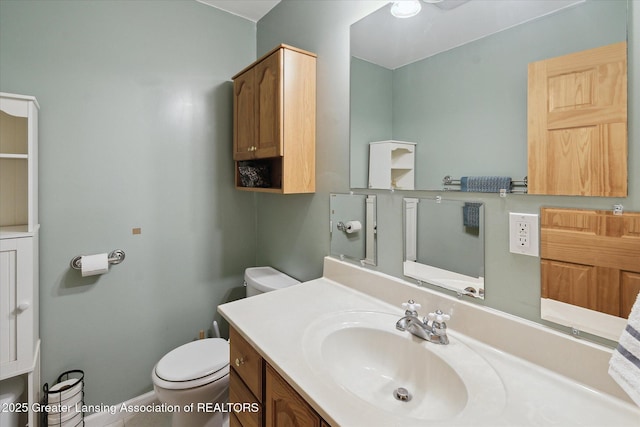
(524, 234)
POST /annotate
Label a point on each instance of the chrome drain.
(402, 394)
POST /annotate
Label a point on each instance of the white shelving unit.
(19, 284)
(392, 165)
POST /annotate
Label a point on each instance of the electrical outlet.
(523, 233)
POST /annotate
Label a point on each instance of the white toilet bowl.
(198, 372)
(195, 373)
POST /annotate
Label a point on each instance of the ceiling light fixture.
(405, 8)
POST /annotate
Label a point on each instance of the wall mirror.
(353, 227)
(458, 89)
(444, 244)
(590, 274)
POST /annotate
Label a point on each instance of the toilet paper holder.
(349, 227)
(115, 257)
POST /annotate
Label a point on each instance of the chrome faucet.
(436, 332)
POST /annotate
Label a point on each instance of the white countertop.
(275, 324)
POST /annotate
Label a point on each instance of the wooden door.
(269, 117)
(244, 122)
(591, 258)
(577, 123)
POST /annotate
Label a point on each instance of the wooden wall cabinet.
(274, 121)
(19, 284)
(253, 380)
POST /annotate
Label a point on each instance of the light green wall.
(135, 131)
(291, 231)
(371, 95)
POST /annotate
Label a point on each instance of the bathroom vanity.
(328, 349)
(254, 381)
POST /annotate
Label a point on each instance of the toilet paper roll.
(352, 226)
(92, 265)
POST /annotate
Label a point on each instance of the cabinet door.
(244, 124)
(16, 306)
(577, 123)
(269, 117)
(285, 407)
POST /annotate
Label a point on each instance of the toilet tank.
(266, 279)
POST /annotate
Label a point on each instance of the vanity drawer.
(239, 393)
(246, 362)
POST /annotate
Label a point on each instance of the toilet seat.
(193, 364)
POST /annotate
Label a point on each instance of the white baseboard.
(107, 416)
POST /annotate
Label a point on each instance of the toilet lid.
(194, 360)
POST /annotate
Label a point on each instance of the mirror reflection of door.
(577, 123)
(590, 259)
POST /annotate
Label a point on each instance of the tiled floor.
(145, 420)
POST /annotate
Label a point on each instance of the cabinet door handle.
(23, 306)
(239, 361)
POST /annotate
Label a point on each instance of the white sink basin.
(363, 353)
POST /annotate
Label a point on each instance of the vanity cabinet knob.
(23, 306)
(239, 361)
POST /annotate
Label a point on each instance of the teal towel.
(471, 214)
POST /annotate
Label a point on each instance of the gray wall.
(135, 131)
(512, 281)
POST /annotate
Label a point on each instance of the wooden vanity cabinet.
(254, 380)
(285, 407)
(245, 380)
(274, 120)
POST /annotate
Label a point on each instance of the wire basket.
(64, 401)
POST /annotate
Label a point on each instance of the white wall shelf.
(392, 165)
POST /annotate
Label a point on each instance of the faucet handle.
(411, 306)
(439, 316)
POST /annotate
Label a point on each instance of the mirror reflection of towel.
(485, 184)
(471, 214)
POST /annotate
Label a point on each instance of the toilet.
(259, 280)
(198, 372)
